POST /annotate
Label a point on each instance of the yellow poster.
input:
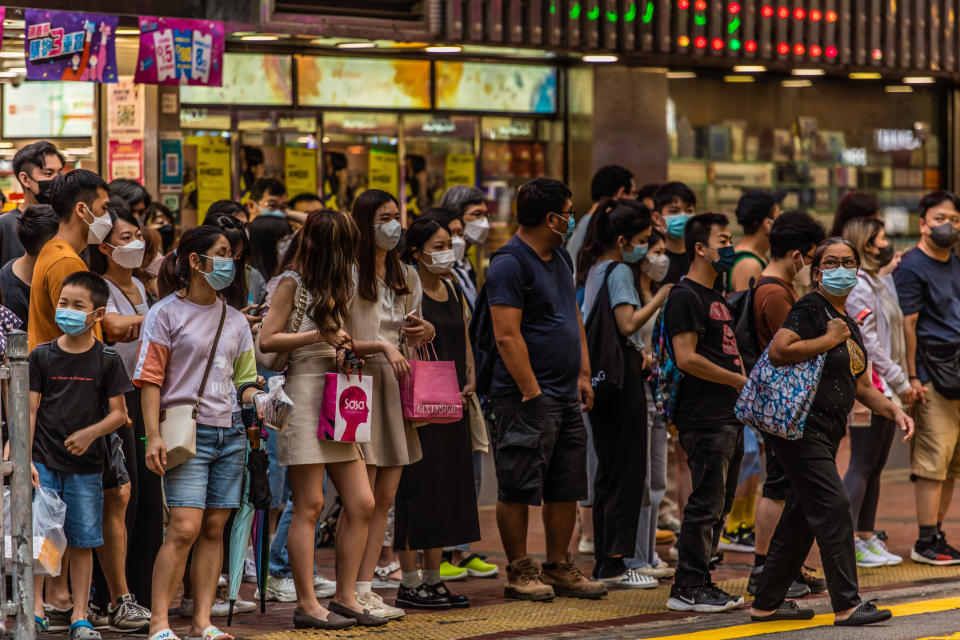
(383, 171)
(300, 170)
(213, 175)
(461, 170)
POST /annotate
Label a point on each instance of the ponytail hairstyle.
(175, 271)
(324, 260)
(612, 219)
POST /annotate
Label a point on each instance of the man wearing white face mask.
(469, 204)
(80, 200)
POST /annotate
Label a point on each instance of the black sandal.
(866, 613)
(789, 610)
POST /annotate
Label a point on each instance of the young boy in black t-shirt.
(76, 398)
(700, 328)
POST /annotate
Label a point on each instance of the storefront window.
(359, 152)
(817, 143)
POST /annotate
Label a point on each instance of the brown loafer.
(364, 618)
(333, 622)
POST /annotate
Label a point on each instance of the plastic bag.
(49, 539)
(275, 405)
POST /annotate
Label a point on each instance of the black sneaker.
(797, 589)
(457, 602)
(701, 599)
(743, 540)
(421, 597)
(717, 559)
(936, 552)
(737, 600)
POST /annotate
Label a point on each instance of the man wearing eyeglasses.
(928, 285)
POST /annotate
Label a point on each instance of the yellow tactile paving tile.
(516, 616)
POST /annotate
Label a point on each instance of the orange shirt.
(56, 261)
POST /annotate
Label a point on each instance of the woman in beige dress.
(384, 312)
(305, 319)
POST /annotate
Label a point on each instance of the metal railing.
(20, 606)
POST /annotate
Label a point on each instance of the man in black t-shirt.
(35, 226)
(34, 166)
(700, 329)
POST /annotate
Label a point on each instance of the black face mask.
(884, 255)
(43, 191)
(943, 235)
(166, 235)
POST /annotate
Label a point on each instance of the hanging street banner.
(70, 45)
(179, 51)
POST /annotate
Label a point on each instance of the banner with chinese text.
(70, 45)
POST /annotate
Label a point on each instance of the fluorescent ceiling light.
(356, 45)
(128, 31)
(740, 79)
(12, 54)
(749, 68)
(599, 58)
(796, 84)
(919, 80)
(898, 88)
(441, 48)
(865, 75)
(681, 75)
(260, 37)
(808, 72)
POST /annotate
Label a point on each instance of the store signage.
(125, 160)
(895, 140)
(125, 108)
(248, 78)
(482, 86)
(213, 173)
(460, 170)
(178, 51)
(70, 45)
(854, 157)
(363, 82)
(300, 170)
(48, 110)
(383, 171)
(171, 162)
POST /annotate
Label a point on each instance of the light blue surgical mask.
(571, 226)
(636, 254)
(72, 322)
(839, 281)
(676, 224)
(222, 274)
(272, 213)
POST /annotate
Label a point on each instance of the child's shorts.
(83, 495)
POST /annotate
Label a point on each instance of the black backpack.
(604, 341)
(482, 339)
(740, 304)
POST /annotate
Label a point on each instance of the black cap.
(755, 205)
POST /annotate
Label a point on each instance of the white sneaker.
(381, 577)
(249, 570)
(324, 588)
(280, 589)
(879, 548)
(866, 557)
(632, 579)
(221, 608)
(586, 547)
(375, 606)
(659, 571)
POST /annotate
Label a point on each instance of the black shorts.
(776, 483)
(115, 466)
(540, 450)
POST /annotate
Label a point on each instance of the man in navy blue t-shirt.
(540, 384)
(928, 285)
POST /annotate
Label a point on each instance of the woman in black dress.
(817, 504)
(436, 503)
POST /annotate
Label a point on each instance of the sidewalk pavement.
(491, 616)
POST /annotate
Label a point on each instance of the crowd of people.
(602, 361)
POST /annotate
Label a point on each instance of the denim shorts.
(83, 495)
(214, 477)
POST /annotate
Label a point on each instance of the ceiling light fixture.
(749, 68)
(864, 75)
(919, 80)
(898, 88)
(356, 45)
(681, 75)
(442, 48)
(260, 37)
(738, 79)
(808, 72)
(599, 58)
(796, 84)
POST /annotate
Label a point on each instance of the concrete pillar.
(617, 115)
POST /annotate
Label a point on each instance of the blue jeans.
(83, 495)
(214, 477)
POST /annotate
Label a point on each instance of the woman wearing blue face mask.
(818, 506)
(616, 239)
(196, 351)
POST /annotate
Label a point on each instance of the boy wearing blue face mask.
(675, 204)
(76, 398)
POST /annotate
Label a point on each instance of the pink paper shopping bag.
(431, 393)
(345, 410)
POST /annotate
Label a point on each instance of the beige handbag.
(278, 361)
(178, 425)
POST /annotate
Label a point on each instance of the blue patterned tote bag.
(777, 400)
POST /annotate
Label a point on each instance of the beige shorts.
(935, 446)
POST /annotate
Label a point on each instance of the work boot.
(523, 582)
(567, 580)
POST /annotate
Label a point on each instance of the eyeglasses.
(571, 213)
(833, 263)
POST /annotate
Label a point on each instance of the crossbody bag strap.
(301, 307)
(213, 354)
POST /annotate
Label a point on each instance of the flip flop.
(789, 610)
(212, 633)
(164, 634)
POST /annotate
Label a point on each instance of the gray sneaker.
(128, 615)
